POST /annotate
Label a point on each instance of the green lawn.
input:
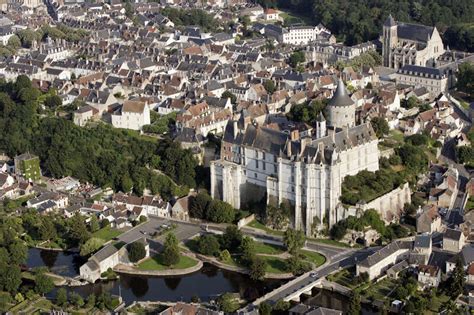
(258, 225)
(106, 233)
(274, 264)
(343, 277)
(381, 290)
(156, 263)
(315, 258)
(268, 249)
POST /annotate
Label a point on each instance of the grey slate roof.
(388, 250)
(452, 234)
(341, 97)
(422, 241)
(415, 32)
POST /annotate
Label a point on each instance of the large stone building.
(306, 172)
(410, 44)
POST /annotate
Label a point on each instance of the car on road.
(313, 275)
(144, 232)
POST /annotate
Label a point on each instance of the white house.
(131, 115)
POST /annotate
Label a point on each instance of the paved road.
(330, 252)
(345, 260)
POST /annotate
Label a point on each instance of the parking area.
(157, 226)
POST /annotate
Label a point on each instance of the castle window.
(255, 174)
(263, 163)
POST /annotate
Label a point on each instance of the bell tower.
(390, 39)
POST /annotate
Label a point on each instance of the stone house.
(429, 276)
(453, 240)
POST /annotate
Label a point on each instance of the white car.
(313, 275)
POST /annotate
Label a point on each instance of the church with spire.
(258, 163)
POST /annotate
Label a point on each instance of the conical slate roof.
(341, 97)
(320, 117)
(390, 21)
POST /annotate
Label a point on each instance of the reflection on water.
(207, 284)
(61, 263)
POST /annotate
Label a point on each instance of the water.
(62, 263)
(207, 283)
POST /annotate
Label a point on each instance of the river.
(207, 283)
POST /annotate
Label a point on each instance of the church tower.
(341, 108)
(390, 39)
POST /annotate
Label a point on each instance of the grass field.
(258, 225)
(268, 249)
(343, 277)
(274, 264)
(156, 263)
(315, 258)
(106, 233)
(381, 290)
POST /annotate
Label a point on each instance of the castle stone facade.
(306, 172)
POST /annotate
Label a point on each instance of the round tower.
(341, 108)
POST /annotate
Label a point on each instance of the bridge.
(304, 284)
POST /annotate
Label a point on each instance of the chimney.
(288, 148)
(294, 135)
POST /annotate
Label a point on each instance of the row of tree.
(204, 207)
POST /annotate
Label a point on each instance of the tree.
(43, 283)
(269, 86)
(220, 212)
(78, 232)
(90, 301)
(297, 265)
(126, 183)
(355, 304)
(229, 94)
(224, 255)
(171, 250)
(247, 248)
(294, 240)
(10, 278)
(94, 224)
(199, 205)
(232, 238)
(296, 58)
(61, 297)
(227, 303)
(14, 42)
(136, 251)
(27, 37)
(277, 217)
(380, 126)
(282, 306)
(47, 230)
(208, 245)
(91, 246)
(18, 253)
(466, 78)
(458, 280)
(53, 102)
(76, 300)
(257, 268)
(264, 309)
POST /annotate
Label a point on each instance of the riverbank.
(122, 269)
(215, 262)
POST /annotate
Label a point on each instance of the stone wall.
(389, 206)
(244, 221)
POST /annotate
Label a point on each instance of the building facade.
(261, 163)
(410, 44)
